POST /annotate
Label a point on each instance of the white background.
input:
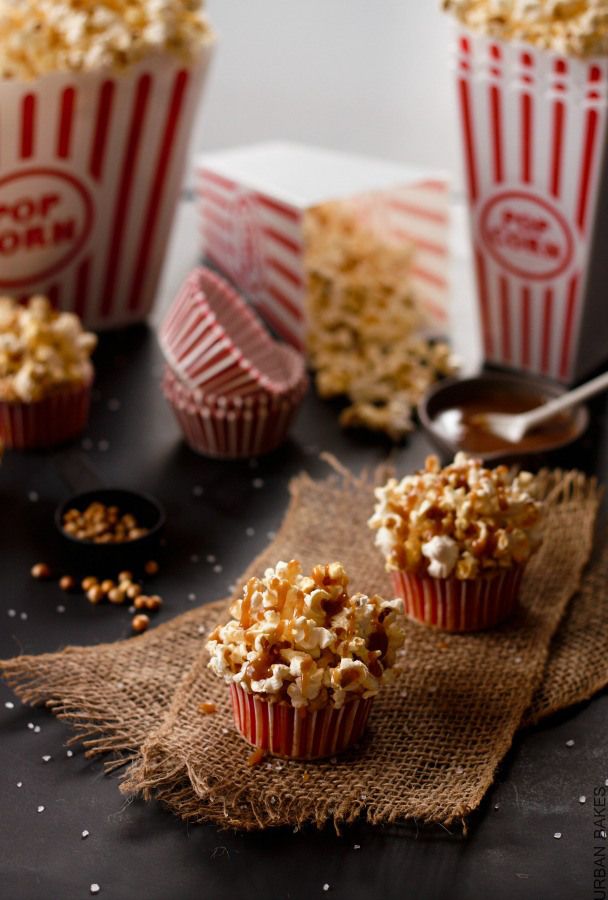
(369, 76)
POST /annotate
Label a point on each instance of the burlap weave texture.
(436, 735)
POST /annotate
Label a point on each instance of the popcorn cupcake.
(304, 659)
(45, 374)
(456, 541)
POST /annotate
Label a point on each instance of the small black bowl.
(455, 392)
(109, 559)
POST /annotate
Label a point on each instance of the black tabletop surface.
(219, 516)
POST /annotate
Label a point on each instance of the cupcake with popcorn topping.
(45, 374)
(456, 541)
(304, 659)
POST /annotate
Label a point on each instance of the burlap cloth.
(436, 735)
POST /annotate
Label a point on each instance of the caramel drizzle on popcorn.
(468, 519)
(363, 326)
(83, 35)
(572, 27)
(304, 640)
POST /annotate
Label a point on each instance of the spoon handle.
(589, 389)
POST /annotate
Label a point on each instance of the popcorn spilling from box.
(574, 27)
(344, 255)
(72, 35)
(364, 327)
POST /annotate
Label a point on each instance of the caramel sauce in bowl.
(452, 414)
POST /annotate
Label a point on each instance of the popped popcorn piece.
(304, 640)
(572, 27)
(83, 35)
(41, 349)
(364, 328)
(458, 521)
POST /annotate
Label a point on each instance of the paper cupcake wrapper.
(451, 604)
(56, 419)
(233, 433)
(534, 130)
(281, 730)
(91, 167)
(213, 340)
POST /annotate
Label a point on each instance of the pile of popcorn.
(302, 639)
(363, 326)
(459, 521)
(82, 35)
(573, 27)
(41, 349)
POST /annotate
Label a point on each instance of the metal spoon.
(512, 428)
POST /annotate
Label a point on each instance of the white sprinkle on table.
(570, 743)
(11, 613)
(47, 758)
(95, 889)
(84, 834)
(40, 809)
(9, 704)
(557, 835)
(19, 784)
(69, 753)
(23, 616)
(36, 729)
(210, 558)
(30, 725)
(103, 446)
(33, 496)
(250, 532)
(191, 597)
(271, 535)
(218, 568)
(61, 608)
(497, 806)
(325, 887)
(258, 483)
(357, 847)
(198, 490)
(582, 799)
(195, 558)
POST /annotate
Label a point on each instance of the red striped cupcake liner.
(56, 419)
(456, 605)
(283, 731)
(213, 340)
(233, 433)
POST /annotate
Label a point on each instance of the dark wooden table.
(138, 850)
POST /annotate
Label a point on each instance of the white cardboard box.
(253, 200)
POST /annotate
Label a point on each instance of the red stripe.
(221, 222)
(483, 299)
(505, 318)
(588, 152)
(284, 301)
(217, 179)
(434, 308)
(469, 147)
(420, 212)
(208, 195)
(281, 239)
(66, 118)
(495, 112)
(28, 116)
(525, 326)
(124, 191)
(568, 329)
(431, 277)
(433, 185)
(82, 288)
(53, 295)
(288, 274)
(156, 195)
(280, 208)
(547, 320)
(526, 127)
(559, 114)
(422, 243)
(102, 123)
(278, 325)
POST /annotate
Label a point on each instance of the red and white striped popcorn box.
(213, 340)
(253, 201)
(456, 605)
(232, 431)
(534, 129)
(282, 730)
(91, 166)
